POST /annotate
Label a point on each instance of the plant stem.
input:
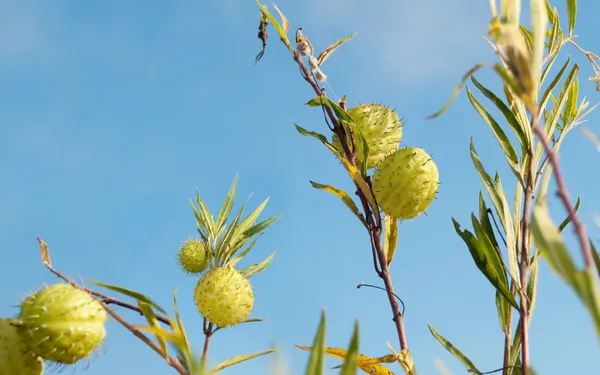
(508, 337)
(564, 195)
(525, 251)
(373, 221)
(208, 331)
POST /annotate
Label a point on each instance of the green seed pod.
(62, 324)
(15, 356)
(405, 183)
(224, 296)
(382, 129)
(192, 256)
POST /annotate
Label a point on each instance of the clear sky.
(113, 113)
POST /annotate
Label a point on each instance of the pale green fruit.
(15, 356)
(192, 256)
(382, 129)
(405, 183)
(62, 323)
(224, 296)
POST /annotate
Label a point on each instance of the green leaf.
(500, 202)
(452, 349)
(553, 84)
(572, 12)
(351, 362)
(568, 219)
(241, 358)
(248, 222)
(539, 22)
(316, 364)
(204, 217)
(486, 258)
(251, 320)
(532, 285)
(596, 256)
(232, 261)
(224, 247)
(130, 293)
(352, 171)
(344, 197)
(153, 322)
(340, 113)
(227, 205)
(457, 89)
(508, 115)
(329, 50)
(275, 24)
(549, 239)
(509, 152)
(391, 238)
(486, 225)
(503, 307)
(260, 226)
(584, 283)
(256, 268)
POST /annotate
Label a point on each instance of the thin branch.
(208, 331)
(373, 221)
(171, 361)
(564, 196)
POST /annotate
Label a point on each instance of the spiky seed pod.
(15, 356)
(192, 256)
(405, 183)
(382, 129)
(62, 323)
(224, 296)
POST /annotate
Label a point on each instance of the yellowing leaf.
(329, 50)
(285, 24)
(369, 365)
(391, 238)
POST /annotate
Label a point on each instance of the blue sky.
(113, 114)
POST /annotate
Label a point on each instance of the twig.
(170, 360)
(373, 221)
(208, 331)
(564, 196)
(103, 300)
(525, 251)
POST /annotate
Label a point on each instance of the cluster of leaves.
(528, 110)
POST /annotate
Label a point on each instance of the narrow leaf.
(344, 197)
(339, 111)
(457, 89)
(316, 363)
(503, 307)
(329, 50)
(130, 293)
(227, 205)
(487, 260)
(509, 152)
(568, 219)
(256, 268)
(274, 22)
(452, 349)
(153, 322)
(572, 12)
(506, 112)
(351, 362)
(44, 253)
(241, 358)
(391, 238)
(539, 22)
(596, 256)
(285, 24)
(352, 171)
